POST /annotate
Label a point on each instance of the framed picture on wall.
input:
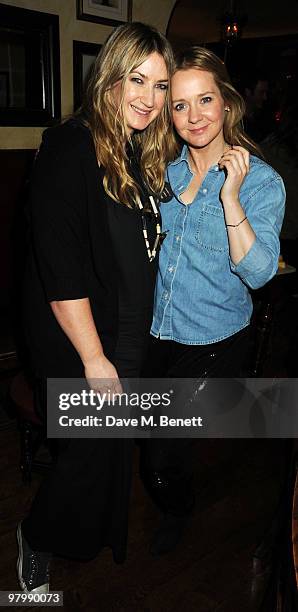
(84, 55)
(110, 12)
(29, 67)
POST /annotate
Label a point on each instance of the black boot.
(175, 497)
(32, 567)
(168, 535)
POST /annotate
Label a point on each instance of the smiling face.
(198, 108)
(144, 93)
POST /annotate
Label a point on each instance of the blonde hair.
(203, 59)
(127, 47)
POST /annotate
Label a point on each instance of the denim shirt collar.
(179, 171)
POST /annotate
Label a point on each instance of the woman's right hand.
(76, 319)
(102, 376)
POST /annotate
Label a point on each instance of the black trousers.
(166, 463)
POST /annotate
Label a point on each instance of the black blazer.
(70, 254)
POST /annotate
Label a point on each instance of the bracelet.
(236, 224)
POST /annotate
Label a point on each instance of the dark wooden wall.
(15, 167)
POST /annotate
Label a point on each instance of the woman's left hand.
(236, 163)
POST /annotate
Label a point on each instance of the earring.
(227, 108)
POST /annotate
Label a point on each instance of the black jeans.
(166, 463)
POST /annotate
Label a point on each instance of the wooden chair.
(295, 525)
(275, 561)
(32, 430)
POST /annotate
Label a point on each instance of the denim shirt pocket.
(211, 232)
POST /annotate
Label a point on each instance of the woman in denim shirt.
(223, 216)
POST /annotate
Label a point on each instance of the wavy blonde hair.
(204, 59)
(127, 47)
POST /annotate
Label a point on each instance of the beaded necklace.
(154, 209)
(160, 236)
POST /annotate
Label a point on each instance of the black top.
(136, 281)
(83, 244)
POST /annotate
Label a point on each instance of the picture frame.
(109, 12)
(84, 54)
(30, 93)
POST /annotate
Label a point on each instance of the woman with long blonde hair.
(223, 218)
(95, 234)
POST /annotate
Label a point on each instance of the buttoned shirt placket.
(166, 303)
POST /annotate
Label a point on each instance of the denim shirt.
(201, 297)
